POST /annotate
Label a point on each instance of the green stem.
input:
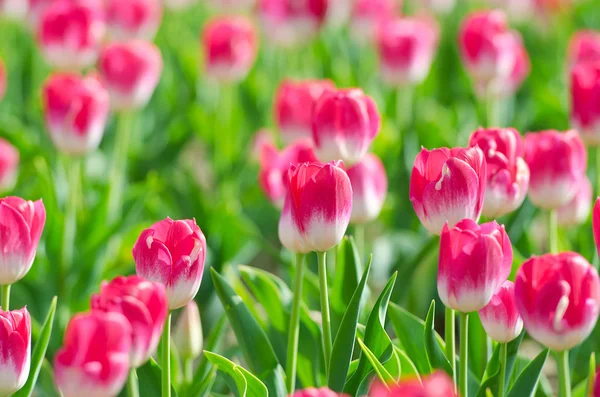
(73, 170)
(188, 371)
(294, 331)
(133, 389)
(503, 359)
(450, 339)
(552, 232)
(166, 359)
(564, 377)
(5, 295)
(359, 239)
(118, 169)
(464, 351)
(326, 318)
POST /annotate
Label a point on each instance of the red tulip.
(558, 296)
(369, 188)
(9, 163)
(172, 253)
(557, 162)
(584, 46)
(345, 122)
(14, 9)
(313, 392)
(230, 47)
(133, 19)
(317, 208)
(94, 359)
(500, 318)
(131, 71)
(144, 304)
(293, 107)
(367, 16)
(2, 80)
(76, 109)
(585, 100)
(507, 172)
(437, 384)
(596, 223)
(187, 334)
(15, 350)
(21, 223)
(448, 185)
(578, 209)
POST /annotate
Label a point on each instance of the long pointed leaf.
(381, 372)
(437, 358)
(529, 378)
(410, 330)
(247, 384)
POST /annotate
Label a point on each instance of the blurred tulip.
(187, 334)
(448, 185)
(578, 209)
(9, 163)
(94, 359)
(14, 9)
(144, 304)
(367, 16)
(230, 48)
(406, 49)
(317, 207)
(178, 4)
(313, 392)
(263, 146)
(500, 318)
(132, 19)
(437, 384)
(585, 100)
(369, 188)
(507, 172)
(596, 224)
(21, 223)
(76, 109)
(345, 122)
(172, 253)
(15, 350)
(131, 71)
(293, 107)
(3, 80)
(69, 34)
(557, 163)
(584, 47)
(558, 296)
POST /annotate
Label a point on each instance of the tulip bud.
(585, 100)
(474, 262)
(69, 34)
(13, 9)
(172, 253)
(558, 296)
(345, 122)
(596, 223)
(557, 163)
(230, 48)
(9, 163)
(367, 16)
(406, 50)
(577, 210)
(131, 71)
(293, 107)
(144, 304)
(437, 384)
(369, 188)
(94, 359)
(76, 109)
(507, 172)
(178, 5)
(2, 80)
(21, 223)
(317, 208)
(132, 19)
(15, 350)
(500, 318)
(584, 47)
(187, 334)
(447, 185)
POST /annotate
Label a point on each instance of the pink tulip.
(3, 80)
(520, 69)
(345, 122)
(507, 172)
(578, 209)
(94, 359)
(557, 162)
(133, 19)
(15, 350)
(293, 107)
(317, 208)
(585, 100)
(9, 164)
(596, 223)
(21, 223)
(437, 384)
(187, 334)
(584, 47)
(14, 9)
(131, 71)
(474, 262)
(367, 16)
(448, 185)
(76, 109)
(313, 392)
(144, 304)
(172, 253)
(500, 318)
(558, 296)
(70, 34)
(369, 188)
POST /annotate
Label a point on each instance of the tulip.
(21, 223)
(9, 163)
(448, 185)
(313, 392)
(596, 383)
(76, 109)
(14, 9)
(367, 16)
(437, 384)
(144, 304)
(596, 223)
(69, 34)
(585, 100)
(507, 172)
(178, 4)
(263, 146)
(583, 47)
(94, 359)
(2, 80)
(293, 107)
(133, 19)
(577, 210)
(15, 350)
(557, 162)
(345, 122)
(188, 332)
(500, 317)
(369, 188)
(131, 71)
(172, 253)
(518, 72)
(230, 47)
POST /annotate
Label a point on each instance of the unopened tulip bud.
(132, 19)
(9, 164)
(585, 100)
(577, 210)
(15, 350)
(500, 318)
(187, 334)
(369, 188)
(290, 23)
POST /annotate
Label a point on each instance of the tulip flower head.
(584, 47)
(367, 16)
(578, 209)
(9, 164)
(585, 100)
(437, 384)
(500, 318)
(596, 223)
(558, 296)
(313, 392)
(187, 334)
(15, 350)
(133, 19)
(317, 208)
(369, 188)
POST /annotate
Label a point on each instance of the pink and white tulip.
(367, 17)
(9, 165)
(187, 334)
(448, 185)
(314, 392)
(369, 188)
(438, 384)
(172, 253)
(15, 350)
(132, 19)
(585, 100)
(584, 47)
(14, 9)
(578, 209)
(558, 296)
(500, 318)
(317, 208)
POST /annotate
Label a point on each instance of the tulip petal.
(152, 258)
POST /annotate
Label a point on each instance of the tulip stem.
(564, 377)
(166, 358)
(294, 331)
(118, 169)
(133, 389)
(503, 358)
(552, 232)
(325, 316)
(5, 293)
(464, 351)
(450, 339)
(188, 371)
(73, 170)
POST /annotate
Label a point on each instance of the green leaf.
(409, 369)
(437, 358)
(527, 381)
(212, 344)
(381, 372)
(149, 379)
(492, 372)
(410, 330)
(478, 345)
(247, 384)
(347, 277)
(591, 374)
(39, 352)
